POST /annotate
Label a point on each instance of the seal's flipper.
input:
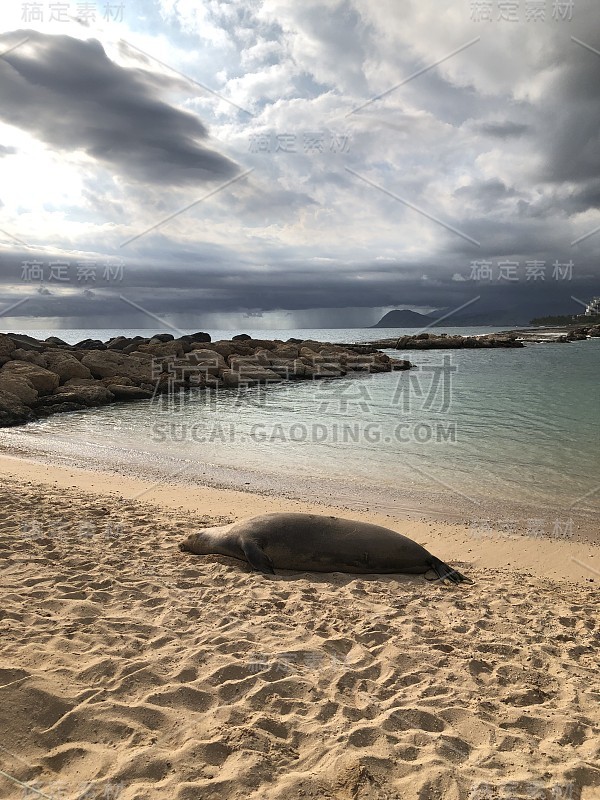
(443, 571)
(257, 558)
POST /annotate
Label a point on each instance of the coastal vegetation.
(567, 319)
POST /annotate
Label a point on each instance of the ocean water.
(465, 429)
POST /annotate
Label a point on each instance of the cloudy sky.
(270, 163)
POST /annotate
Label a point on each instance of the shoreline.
(576, 558)
(525, 514)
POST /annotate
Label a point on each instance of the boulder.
(163, 349)
(44, 381)
(285, 368)
(90, 344)
(110, 364)
(117, 380)
(224, 349)
(398, 364)
(359, 363)
(65, 365)
(243, 349)
(83, 382)
(240, 337)
(249, 376)
(32, 356)
(286, 351)
(208, 362)
(161, 337)
(13, 411)
(256, 360)
(214, 382)
(26, 342)
(200, 353)
(288, 368)
(200, 336)
(47, 406)
(122, 392)
(259, 344)
(55, 340)
(376, 367)
(322, 366)
(18, 386)
(135, 343)
(7, 346)
(97, 395)
(263, 356)
(118, 343)
(311, 344)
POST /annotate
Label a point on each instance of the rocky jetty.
(556, 335)
(444, 341)
(515, 338)
(39, 378)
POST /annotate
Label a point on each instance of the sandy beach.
(329, 259)
(130, 670)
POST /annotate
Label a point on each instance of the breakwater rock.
(443, 341)
(557, 335)
(38, 378)
(515, 338)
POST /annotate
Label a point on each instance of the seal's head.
(196, 543)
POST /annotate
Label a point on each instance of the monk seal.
(318, 544)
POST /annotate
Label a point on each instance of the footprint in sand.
(404, 719)
(185, 698)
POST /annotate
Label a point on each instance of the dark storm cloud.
(569, 129)
(588, 197)
(218, 282)
(69, 94)
(473, 303)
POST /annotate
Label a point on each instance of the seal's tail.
(443, 571)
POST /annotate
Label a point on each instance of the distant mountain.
(403, 318)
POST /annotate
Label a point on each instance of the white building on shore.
(593, 307)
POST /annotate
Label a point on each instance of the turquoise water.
(466, 426)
